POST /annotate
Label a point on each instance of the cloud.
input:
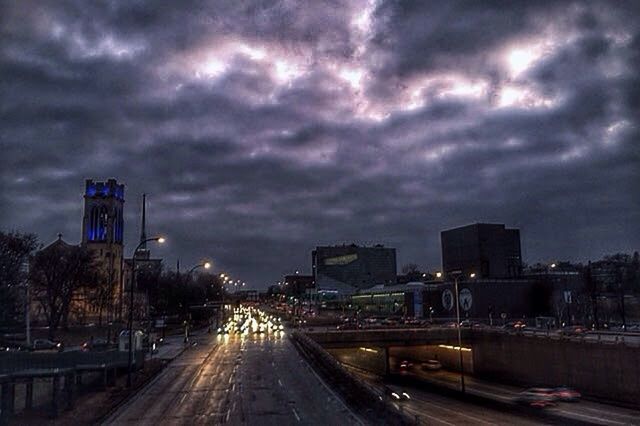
(260, 130)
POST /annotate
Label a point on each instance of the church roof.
(57, 244)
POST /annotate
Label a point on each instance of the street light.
(133, 281)
(205, 265)
(456, 277)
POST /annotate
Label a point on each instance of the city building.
(488, 250)
(342, 270)
(297, 285)
(103, 234)
(404, 300)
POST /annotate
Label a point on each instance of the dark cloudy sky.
(260, 129)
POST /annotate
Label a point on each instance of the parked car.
(45, 344)
(432, 365)
(537, 397)
(566, 394)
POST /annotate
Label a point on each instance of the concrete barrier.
(605, 371)
(357, 393)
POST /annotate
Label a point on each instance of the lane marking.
(280, 383)
(295, 413)
(600, 419)
(477, 419)
(428, 416)
(610, 413)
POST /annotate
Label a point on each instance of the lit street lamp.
(133, 281)
(205, 265)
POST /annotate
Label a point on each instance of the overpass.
(600, 368)
(388, 337)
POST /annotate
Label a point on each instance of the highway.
(587, 412)
(432, 408)
(583, 411)
(237, 380)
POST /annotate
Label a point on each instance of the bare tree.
(410, 268)
(57, 274)
(102, 294)
(15, 249)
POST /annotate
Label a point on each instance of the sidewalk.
(174, 345)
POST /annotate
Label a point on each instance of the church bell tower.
(103, 231)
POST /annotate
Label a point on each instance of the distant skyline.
(261, 130)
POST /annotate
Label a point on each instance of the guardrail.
(16, 362)
(65, 370)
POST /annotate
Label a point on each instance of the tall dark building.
(488, 250)
(345, 269)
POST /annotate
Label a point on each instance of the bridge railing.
(17, 362)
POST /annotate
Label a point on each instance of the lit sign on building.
(341, 260)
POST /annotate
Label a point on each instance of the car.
(432, 364)
(515, 325)
(405, 365)
(348, 326)
(45, 344)
(573, 330)
(566, 394)
(467, 323)
(397, 395)
(11, 348)
(95, 345)
(537, 397)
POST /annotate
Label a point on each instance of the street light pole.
(462, 388)
(130, 325)
(205, 265)
(456, 277)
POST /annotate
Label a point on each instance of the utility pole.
(622, 310)
(592, 286)
(27, 313)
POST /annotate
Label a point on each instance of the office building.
(344, 269)
(488, 250)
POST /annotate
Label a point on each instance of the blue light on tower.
(103, 211)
